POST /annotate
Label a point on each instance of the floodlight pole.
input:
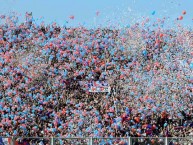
(105, 60)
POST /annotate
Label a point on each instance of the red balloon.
(180, 18)
(97, 13)
(183, 12)
(161, 35)
(71, 17)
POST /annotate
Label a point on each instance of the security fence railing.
(96, 141)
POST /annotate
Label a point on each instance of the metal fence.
(98, 141)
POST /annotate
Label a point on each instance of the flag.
(96, 86)
(5, 141)
(99, 86)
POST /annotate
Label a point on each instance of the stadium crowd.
(149, 69)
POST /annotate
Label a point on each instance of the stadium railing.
(103, 141)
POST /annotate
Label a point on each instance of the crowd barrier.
(99, 141)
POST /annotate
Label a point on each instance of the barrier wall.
(95, 141)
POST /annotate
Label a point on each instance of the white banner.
(100, 89)
(96, 86)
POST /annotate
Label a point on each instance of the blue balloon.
(191, 65)
(153, 13)
(144, 52)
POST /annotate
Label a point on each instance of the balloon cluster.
(148, 68)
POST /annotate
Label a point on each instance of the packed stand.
(148, 68)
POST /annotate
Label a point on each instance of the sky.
(111, 12)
